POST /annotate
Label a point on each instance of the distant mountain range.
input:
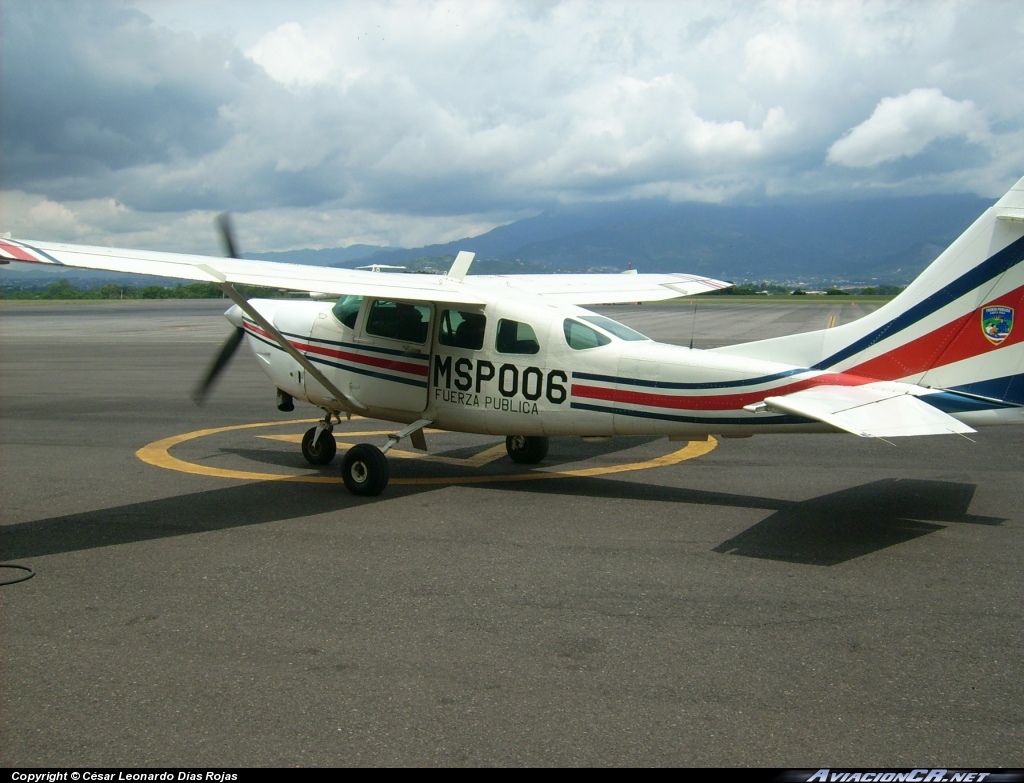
(871, 241)
(331, 256)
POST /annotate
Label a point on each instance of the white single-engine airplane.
(518, 356)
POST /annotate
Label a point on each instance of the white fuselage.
(534, 368)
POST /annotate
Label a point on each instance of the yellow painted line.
(486, 456)
(158, 454)
(297, 437)
(693, 449)
(476, 461)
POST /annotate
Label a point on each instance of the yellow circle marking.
(158, 453)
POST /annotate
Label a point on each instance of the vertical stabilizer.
(954, 327)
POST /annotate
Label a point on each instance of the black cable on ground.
(14, 581)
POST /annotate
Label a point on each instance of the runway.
(786, 601)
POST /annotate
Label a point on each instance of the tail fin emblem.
(996, 323)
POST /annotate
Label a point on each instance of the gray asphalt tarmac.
(787, 601)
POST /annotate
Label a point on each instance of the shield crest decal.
(996, 323)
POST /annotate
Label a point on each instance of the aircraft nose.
(234, 315)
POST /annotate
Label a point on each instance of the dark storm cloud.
(378, 121)
(93, 89)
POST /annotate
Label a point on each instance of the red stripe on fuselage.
(372, 361)
(953, 342)
(712, 402)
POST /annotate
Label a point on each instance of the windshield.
(347, 309)
(621, 331)
(581, 337)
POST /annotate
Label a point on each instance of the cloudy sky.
(324, 124)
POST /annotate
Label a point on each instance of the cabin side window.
(580, 337)
(346, 310)
(399, 321)
(516, 337)
(462, 329)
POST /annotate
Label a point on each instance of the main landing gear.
(364, 468)
(526, 450)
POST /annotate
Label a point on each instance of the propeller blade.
(219, 363)
(227, 235)
(227, 238)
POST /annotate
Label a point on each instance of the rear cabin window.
(580, 337)
(461, 329)
(346, 310)
(399, 321)
(516, 337)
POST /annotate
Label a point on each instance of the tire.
(365, 470)
(526, 450)
(324, 450)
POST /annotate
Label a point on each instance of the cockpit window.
(580, 337)
(347, 310)
(621, 331)
(516, 337)
(461, 329)
(399, 321)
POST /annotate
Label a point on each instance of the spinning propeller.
(227, 236)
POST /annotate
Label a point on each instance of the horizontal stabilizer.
(869, 412)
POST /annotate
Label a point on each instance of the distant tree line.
(64, 289)
(774, 289)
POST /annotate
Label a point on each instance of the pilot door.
(376, 350)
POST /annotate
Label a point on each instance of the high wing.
(591, 289)
(575, 289)
(269, 274)
(871, 411)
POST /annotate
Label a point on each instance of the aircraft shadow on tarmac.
(824, 530)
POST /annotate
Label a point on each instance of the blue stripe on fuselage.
(349, 367)
(587, 376)
(983, 273)
(754, 419)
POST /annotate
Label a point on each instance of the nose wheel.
(319, 451)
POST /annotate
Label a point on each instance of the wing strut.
(227, 235)
(347, 401)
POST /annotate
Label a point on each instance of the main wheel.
(526, 450)
(365, 470)
(324, 450)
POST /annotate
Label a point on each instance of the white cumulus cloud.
(903, 126)
(291, 58)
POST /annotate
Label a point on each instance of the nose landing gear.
(318, 444)
(319, 450)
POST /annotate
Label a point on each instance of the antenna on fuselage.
(461, 265)
(693, 323)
